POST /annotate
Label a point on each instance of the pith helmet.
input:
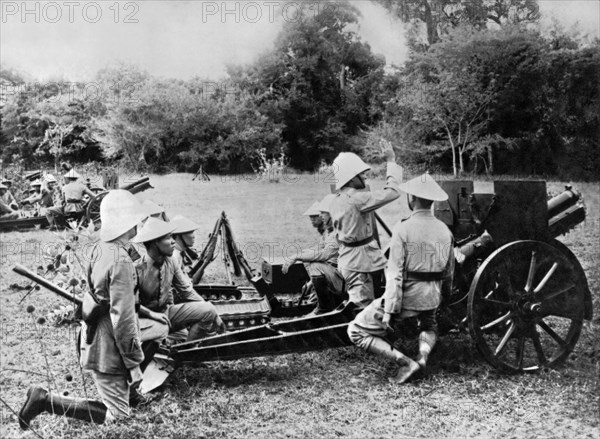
(325, 204)
(183, 225)
(153, 229)
(50, 178)
(313, 210)
(6, 181)
(2, 186)
(425, 187)
(36, 183)
(151, 208)
(346, 166)
(72, 174)
(120, 211)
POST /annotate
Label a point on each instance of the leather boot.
(41, 401)
(407, 365)
(427, 341)
(324, 298)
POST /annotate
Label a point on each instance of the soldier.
(361, 261)
(183, 234)
(72, 194)
(158, 275)
(7, 197)
(419, 270)
(111, 346)
(6, 211)
(314, 215)
(321, 265)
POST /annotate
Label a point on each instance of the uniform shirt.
(116, 346)
(74, 190)
(156, 282)
(4, 208)
(421, 243)
(8, 198)
(327, 250)
(353, 220)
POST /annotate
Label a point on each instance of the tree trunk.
(460, 159)
(431, 25)
(490, 159)
(342, 77)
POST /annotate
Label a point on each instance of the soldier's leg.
(40, 401)
(359, 287)
(151, 330)
(428, 335)
(9, 216)
(200, 317)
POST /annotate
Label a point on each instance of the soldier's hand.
(387, 150)
(387, 320)
(161, 318)
(135, 377)
(287, 265)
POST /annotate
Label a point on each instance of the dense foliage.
(471, 98)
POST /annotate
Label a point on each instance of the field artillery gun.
(521, 292)
(91, 213)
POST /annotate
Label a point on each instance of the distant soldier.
(161, 281)
(72, 199)
(8, 198)
(111, 346)
(420, 268)
(6, 211)
(183, 234)
(361, 261)
(321, 265)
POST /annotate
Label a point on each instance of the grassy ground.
(336, 393)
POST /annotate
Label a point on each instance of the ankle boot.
(383, 348)
(324, 299)
(41, 401)
(427, 341)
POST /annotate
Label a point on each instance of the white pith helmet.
(153, 229)
(346, 166)
(183, 225)
(313, 210)
(325, 205)
(72, 174)
(50, 178)
(120, 211)
(425, 187)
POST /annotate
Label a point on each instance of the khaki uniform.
(420, 266)
(9, 199)
(73, 196)
(157, 285)
(354, 223)
(6, 212)
(116, 346)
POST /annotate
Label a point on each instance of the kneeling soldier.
(420, 267)
(160, 277)
(110, 345)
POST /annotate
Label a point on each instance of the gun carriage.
(91, 213)
(522, 293)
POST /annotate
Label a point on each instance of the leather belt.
(358, 243)
(423, 276)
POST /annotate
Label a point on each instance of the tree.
(440, 16)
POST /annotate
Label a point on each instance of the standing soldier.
(418, 272)
(361, 261)
(321, 265)
(110, 346)
(72, 194)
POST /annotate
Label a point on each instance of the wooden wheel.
(92, 211)
(526, 306)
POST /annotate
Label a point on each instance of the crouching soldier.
(160, 279)
(321, 265)
(110, 346)
(6, 195)
(183, 234)
(420, 266)
(6, 210)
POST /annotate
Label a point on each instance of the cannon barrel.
(135, 183)
(565, 211)
(470, 246)
(46, 284)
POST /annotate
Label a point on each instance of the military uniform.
(359, 254)
(421, 262)
(158, 284)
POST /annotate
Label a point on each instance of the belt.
(358, 243)
(73, 200)
(423, 276)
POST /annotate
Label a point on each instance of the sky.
(72, 40)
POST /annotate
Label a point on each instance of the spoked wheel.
(526, 306)
(92, 210)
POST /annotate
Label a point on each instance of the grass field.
(335, 393)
